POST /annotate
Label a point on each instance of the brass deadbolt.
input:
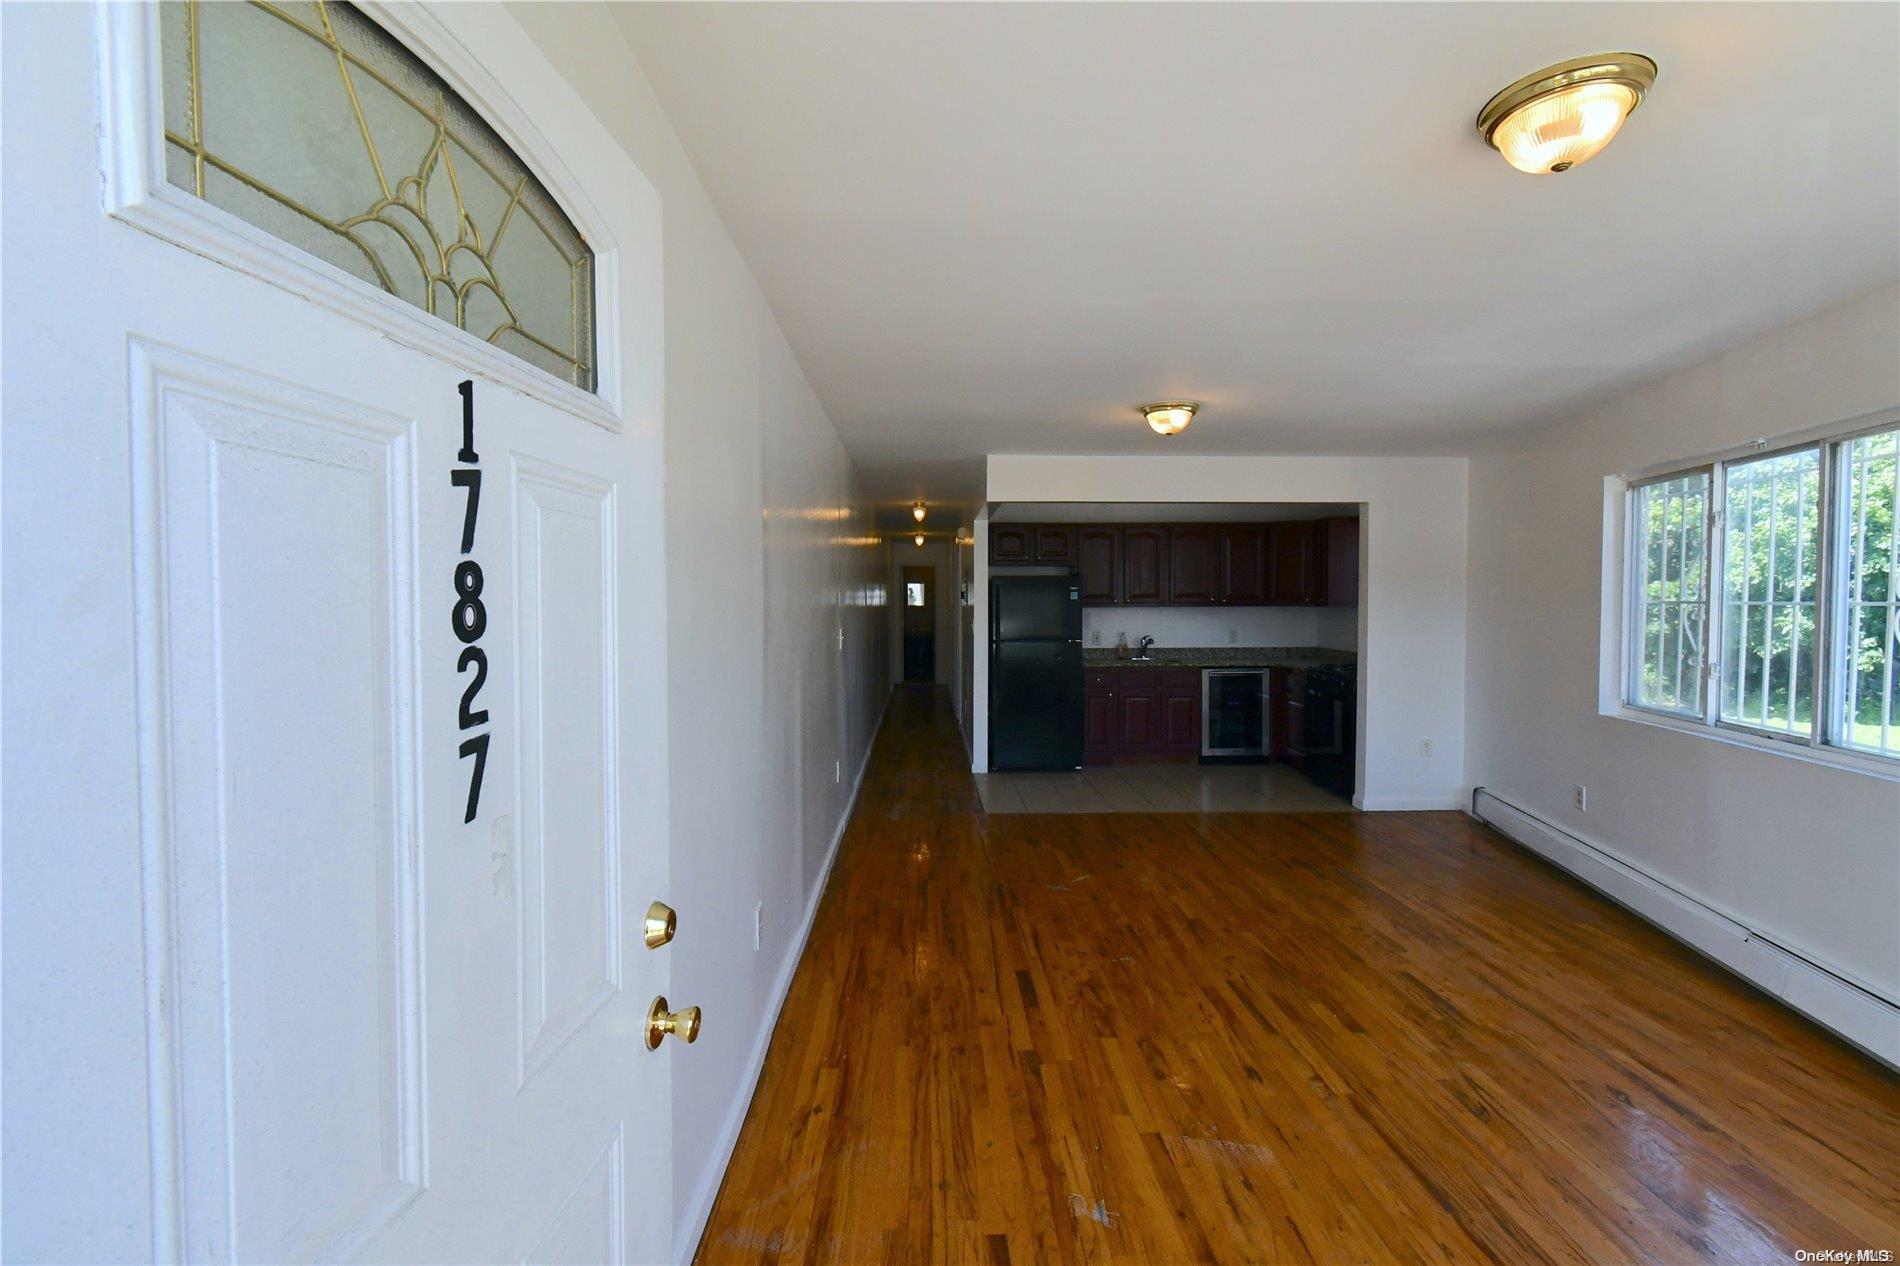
(661, 924)
(683, 1025)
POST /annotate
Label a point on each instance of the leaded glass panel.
(314, 124)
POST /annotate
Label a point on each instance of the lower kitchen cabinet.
(1286, 713)
(1180, 722)
(1099, 725)
(1140, 714)
(1130, 713)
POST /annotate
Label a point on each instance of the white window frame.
(136, 192)
(1621, 668)
(1633, 584)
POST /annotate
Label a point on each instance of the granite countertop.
(1219, 657)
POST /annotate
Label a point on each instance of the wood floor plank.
(1271, 1037)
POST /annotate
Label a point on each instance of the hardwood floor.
(1328, 1038)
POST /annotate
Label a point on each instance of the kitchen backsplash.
(1337, 627)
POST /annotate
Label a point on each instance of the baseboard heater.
(1846, 1007)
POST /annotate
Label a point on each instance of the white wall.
(1807, 854)
(1411, 587)
(1334, 627)
(769, 549)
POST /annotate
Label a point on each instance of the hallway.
(1280, 1037)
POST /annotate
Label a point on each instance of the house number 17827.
(468, 616)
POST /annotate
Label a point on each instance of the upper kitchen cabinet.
(1011, 543)
(1309, 563)
(1098, 561)
(1342, 562)
(1240, 573)
(1145, 565)
(1054, 544)
(1190, 565)
(1297, 564)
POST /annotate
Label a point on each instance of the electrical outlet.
(1582, 797)
(1095, 638)
(1233, 637)
(1424, 747)
(758, 925)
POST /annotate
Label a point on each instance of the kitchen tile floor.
(1159, 788)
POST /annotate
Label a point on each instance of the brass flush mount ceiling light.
(917, 512)
(1169, 417)
(1563, 115)
(918, 540)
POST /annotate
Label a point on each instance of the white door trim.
(132, 156)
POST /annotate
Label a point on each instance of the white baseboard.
(1849, 1008)
(1413, 804)
(686, 1236)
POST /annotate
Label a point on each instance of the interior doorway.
(920, 624)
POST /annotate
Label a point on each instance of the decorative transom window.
(312, 123)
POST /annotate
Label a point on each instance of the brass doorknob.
(683, 1025)
(661, 924)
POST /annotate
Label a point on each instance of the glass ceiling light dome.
(1169, 417)
(1562, 116)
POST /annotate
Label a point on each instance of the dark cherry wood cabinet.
(1098, 562)
(1296, 563)
(1011, 543)
(1099, 726)
(1140, 714)
(1286, 715)
(1180, 722)
(1342, 562)
(1308, 563)
(1144, 565)
(1054, 544)
(1240, 572)
(1190, 565)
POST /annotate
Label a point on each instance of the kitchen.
(1176, 655)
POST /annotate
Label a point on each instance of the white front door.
(334, 790)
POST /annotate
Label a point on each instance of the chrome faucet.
(1141, 651)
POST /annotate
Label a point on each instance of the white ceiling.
(997, 228)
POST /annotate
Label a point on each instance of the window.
(1870, 607)
(1671, 538)
(1771, 521)
(1761, 596)
(913, 593)
(315, 125)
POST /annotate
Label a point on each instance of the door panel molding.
(232, 472)
(597, 1196)
(568, 961)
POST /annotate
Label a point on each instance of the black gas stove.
(1332, 721)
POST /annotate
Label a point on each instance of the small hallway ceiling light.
(917, 512)
(918, 540)
(1562, 116)
(1169, 417)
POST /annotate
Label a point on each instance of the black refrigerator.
(1035, 672)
